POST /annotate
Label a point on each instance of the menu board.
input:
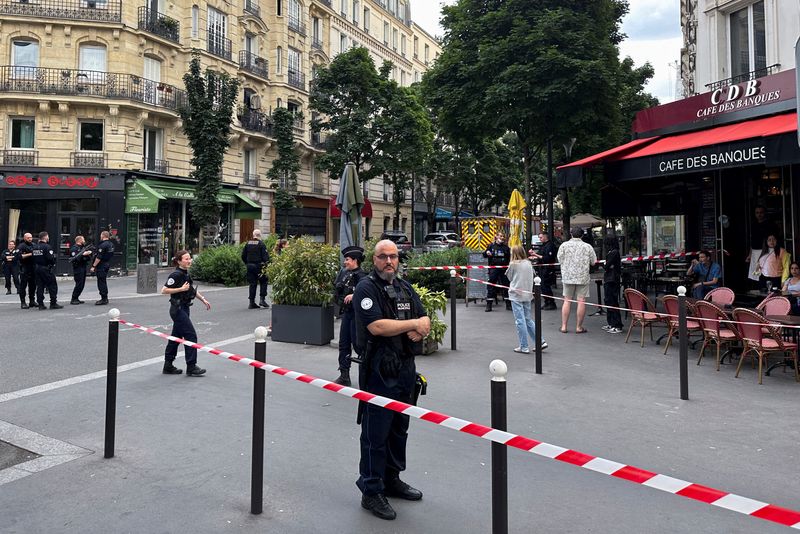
(476, 290)
(708, 229)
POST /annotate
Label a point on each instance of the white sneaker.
(522, 351)
(614, 330)
(544, 345)
(607, 327)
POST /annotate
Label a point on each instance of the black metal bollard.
(259, 394)
(600, 310)
(453, 302)
(499, 370)
(537, 320)
(683, 334)
(111, 382)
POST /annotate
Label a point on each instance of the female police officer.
(181, 291)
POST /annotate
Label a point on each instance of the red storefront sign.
(52, 181)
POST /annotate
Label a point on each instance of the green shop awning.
(246, 208)
(143, 196)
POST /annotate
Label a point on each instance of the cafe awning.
(143, 196)
(443, 214)
(246, 208)
(336, 213)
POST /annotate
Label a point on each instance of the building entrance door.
(69, 227)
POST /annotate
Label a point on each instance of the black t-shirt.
(14, 253)
(43, 255)
(26, 248)
(105, 251)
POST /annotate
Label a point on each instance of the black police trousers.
(44, 278)
(497, 276)
(102, 273)
(27, 280)
(11, 273)
(347, 334)
(384, 433)
(181, 327)
(79, 275)
(255, 278)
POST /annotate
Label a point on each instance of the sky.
(654, 34)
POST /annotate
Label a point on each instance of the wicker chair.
(636, 301)
(721, 296)
(709, 315)
(692, 325)
(757, 344)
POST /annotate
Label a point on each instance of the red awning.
(597, 159)
(336, 213)
(765, 127)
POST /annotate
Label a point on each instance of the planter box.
(429, 347)
(302, 324)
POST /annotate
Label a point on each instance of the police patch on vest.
(404, 306)
(171, 281)
(366, 303)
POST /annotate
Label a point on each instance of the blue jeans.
(524, 322)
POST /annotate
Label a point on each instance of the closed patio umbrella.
(517, 227)
(587, 220)
(350, 200)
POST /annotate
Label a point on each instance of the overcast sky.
(654, 34)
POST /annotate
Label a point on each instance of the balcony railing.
(746, 77)
(299, 128)
(326, 2)
(160, 166)
(318, 189)
(296, 26)
(159, 24)
(250, 6)
(316, 42)
(318, 140)
(20, 157)
(253, 63)
(252, 179)
(94, 10)
(220, 46)
(297, 79)
(36, 80)
(256, 122)
(93, 160)
(285, 183)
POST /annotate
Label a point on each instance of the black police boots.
(398, 488)
(378, 505)
(101, 302)
(8, 291)
(263, 303)
(24, 305)
(488, 305)
(170, 369)
(344, 378)
(253, 305)
(508, 304)
(194, 370)
(55, 306)
(76, 301)
(41, 307)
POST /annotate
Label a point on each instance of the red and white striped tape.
(689, 490)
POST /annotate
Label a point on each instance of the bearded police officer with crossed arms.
(390, 325)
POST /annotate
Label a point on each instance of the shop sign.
(716, 159)
(51, 181)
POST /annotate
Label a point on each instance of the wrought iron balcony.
(318, 189)
(252, 179)
(160, 166)
(746, 77)
(256, 122)
(318, 140)
(20, 157)
(299, 128)
(251, 6)
(326, 2)
(285, 183)
(88, 159)
(297, 79)
(316, 42)
(253, 63)
(159, 24)
(220, 46)
(296, 26)
(36, 80)
(94, 10)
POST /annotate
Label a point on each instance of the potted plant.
(433, 302)
(302, 278)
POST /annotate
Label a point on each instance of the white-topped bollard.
(537, 321)
(453, 300)
(681, 291)
(259, 400)
(499, 370)
(260, 334)
(111, 383)
(683, 340)
(113, 314)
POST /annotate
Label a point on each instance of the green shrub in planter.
(270, 241)
(437, 280)
(220, 265)
(433, 302)
(303, 274)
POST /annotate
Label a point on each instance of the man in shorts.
(576, 258)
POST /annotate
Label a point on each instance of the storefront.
(699, 167)
(160, 220)
(65, 203)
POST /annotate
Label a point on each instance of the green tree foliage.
(207, 124)
(285, 167)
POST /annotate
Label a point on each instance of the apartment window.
(366, 20)
(92, 57)
(217, 28)
(342, 42)
(316, 29)
(427, 53)
(249, 163)
(279, 60)
(416, 46)
(23, 133)
(416, 76)
(153, 149)
(195, 21)
(401, 12)
(748, 39)
(279, 7)
(386, 33)
(294, 13)
(403, 45)
(356, 10)
(402, 77)
(25, 58)
(91, 136)
(394, 38)
(294, 61)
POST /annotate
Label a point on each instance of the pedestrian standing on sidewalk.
(101, 264)
(27, 275)
(181, 291)
(612, 278)
(256, 257)
(80, 255)
(498, 253)
(10, 259)
(520, 292)
(345, 285)
(576, 258)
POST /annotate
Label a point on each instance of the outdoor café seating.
(721, 296)
(758, 344)
(671, 307)
(643, 312)
(716, 328)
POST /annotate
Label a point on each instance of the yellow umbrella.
(517, 228)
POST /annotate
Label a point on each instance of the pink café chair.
(757, 344)
(721, 296)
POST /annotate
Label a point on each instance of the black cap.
(353, 252)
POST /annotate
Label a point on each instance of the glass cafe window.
(748, 39)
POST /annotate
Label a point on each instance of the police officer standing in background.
(390, 326)
(27, 275)
(45, 259)
(498, 254)
(10, 259)
(79, 255)
(345, 284)
(101, 264)
(255, 255)
(546, 258)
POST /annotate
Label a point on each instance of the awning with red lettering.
(336, 213)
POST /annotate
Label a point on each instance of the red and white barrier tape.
(689, 490)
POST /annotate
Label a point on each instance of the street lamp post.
(568, 152)
(550, 227)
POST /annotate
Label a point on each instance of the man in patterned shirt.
(575, 257)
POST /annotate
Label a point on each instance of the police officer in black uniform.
(101, 264)
(345, 284)
(256, 256)
(181, 291)
(10, 259)
(498, 254)
(27, 274)
(547, 272)
(80, 254)
(390, 326)
(45, 259)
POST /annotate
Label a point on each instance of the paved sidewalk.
(183, 444)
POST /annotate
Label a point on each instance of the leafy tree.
(207, 123)
(285, 167)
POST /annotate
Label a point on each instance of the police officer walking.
(101, 264)
(80, 254)
(45, 259)
(256, 256)
(27, 275)
(345, 284)
(181, 291)
(10, 259)
(390, 325)
(498, 253)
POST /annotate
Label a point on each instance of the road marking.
(100, 374)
